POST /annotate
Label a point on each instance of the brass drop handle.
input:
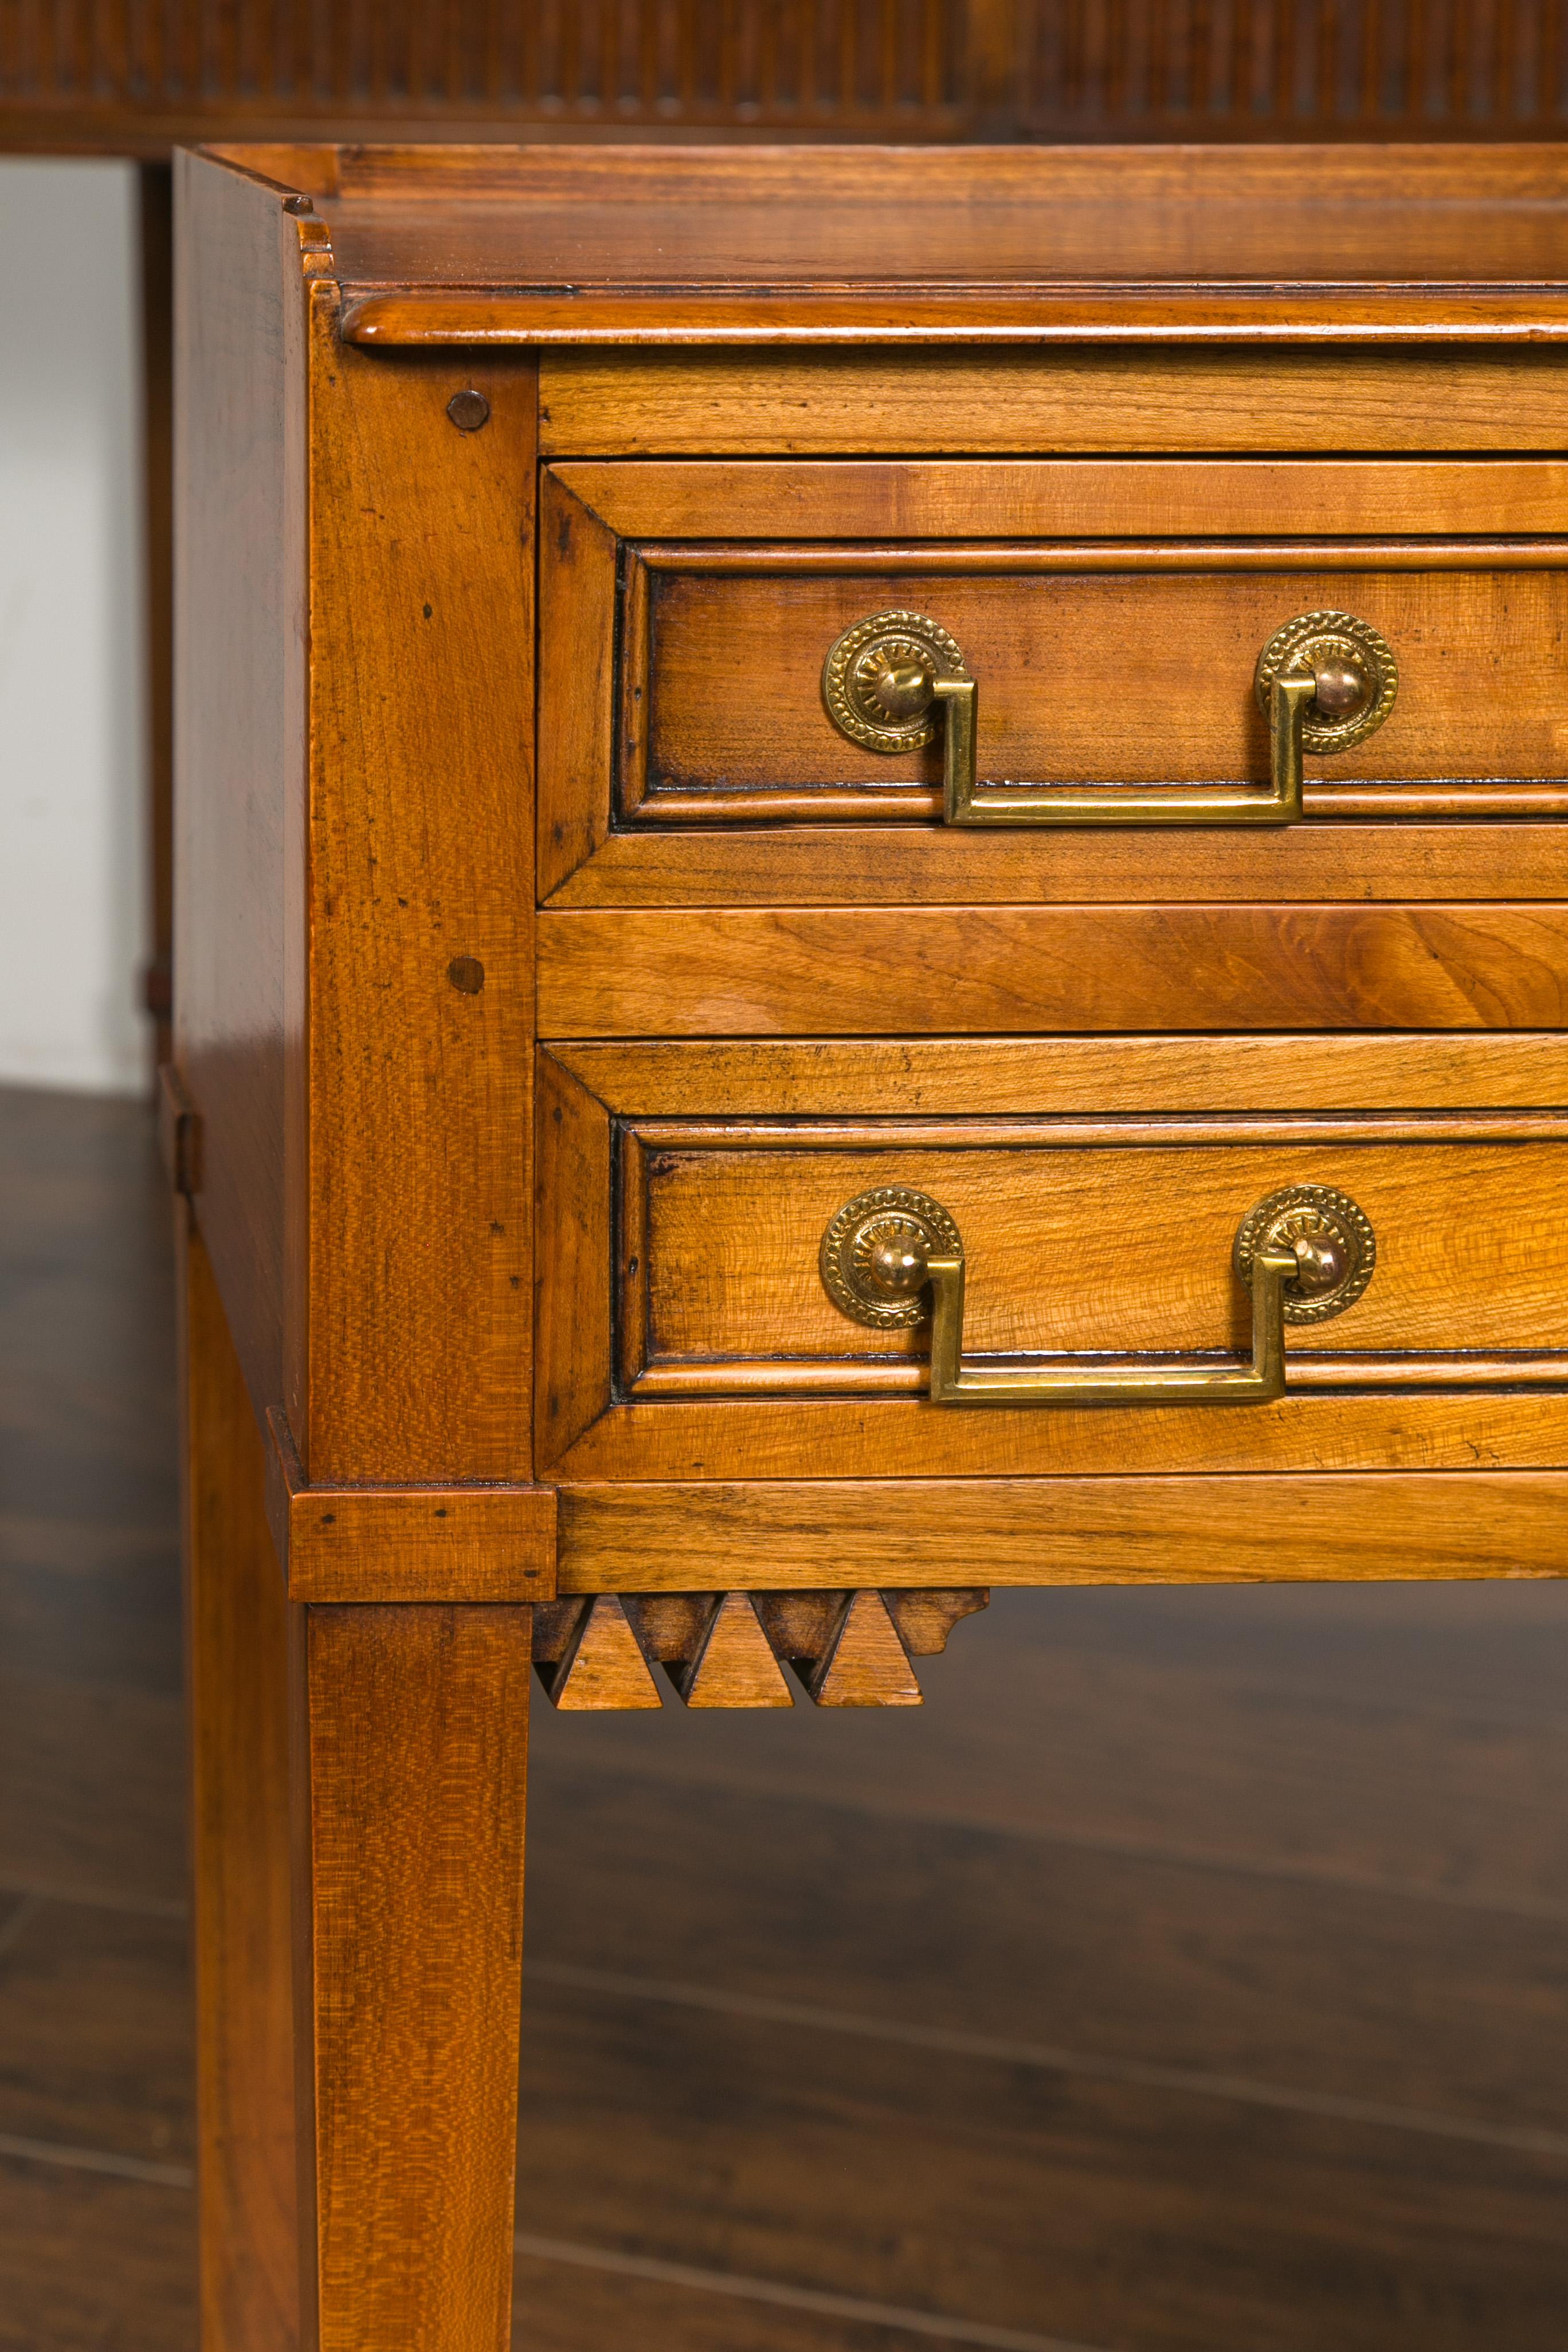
(1324, 681)
(1304, 1253)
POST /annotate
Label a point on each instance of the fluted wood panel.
(850, 66)
(1284, 69)
(137, 73)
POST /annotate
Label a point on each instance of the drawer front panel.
(1114, 652)
(1123, 675)
(1074, 1246)
(690, 1328)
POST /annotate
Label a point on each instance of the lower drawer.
(889, 1284)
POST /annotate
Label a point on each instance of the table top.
(884, 244)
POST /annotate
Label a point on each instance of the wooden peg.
(602, 1665)
(733, 1664)
(867, 1663)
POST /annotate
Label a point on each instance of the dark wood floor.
(1190, 1976)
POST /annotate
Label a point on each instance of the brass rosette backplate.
(1336, 643)
(877, 677)
(874, 1252)
(1334, 1241)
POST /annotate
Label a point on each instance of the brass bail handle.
(1324, 681)
(1305, 1253)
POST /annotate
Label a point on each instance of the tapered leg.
(410, 1751)
(358, 1786)
(238, 1678)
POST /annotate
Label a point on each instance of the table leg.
(237, 1670)
(358, 1786)
(411, 1741)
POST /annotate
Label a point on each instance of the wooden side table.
(871, 904)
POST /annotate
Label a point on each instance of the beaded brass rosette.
(877, 679)
(877, 1230)
(1319, 641)
(1335, 1234)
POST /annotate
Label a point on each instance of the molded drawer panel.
(1112, 615)
(690, 1327)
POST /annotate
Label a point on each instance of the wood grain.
(415, 1723)
(706, 1077)
(1132, 1529)
(578, 564)
(776, 220)
(830, 404)
(734, 1663)
(95, 2039)
(601, 1667)
(1309, 1839)
(872, 1437)
(420, 857)
(722, 1650)
(83, 2258)
(573, 1346)
(1045, 316)
(242, 268)
(136, 83)
(406, 1543)
(1313, 1772)
(867, 1664)
(923, 863)
(830, 971)
(1057, 1238)
(386, 961)
(1089, 678)
(1007, 2198)
(242, 1921)
(761, 498)
(675, 625)
(992, 71)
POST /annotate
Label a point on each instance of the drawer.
(738, 664)
(762, 1291)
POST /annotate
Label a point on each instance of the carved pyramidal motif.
(731, 1649)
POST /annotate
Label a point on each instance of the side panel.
(242, 265)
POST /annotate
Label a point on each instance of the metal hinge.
(179, 1132)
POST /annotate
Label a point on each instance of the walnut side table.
(870, 864)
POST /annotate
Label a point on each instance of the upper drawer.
(1096, 628)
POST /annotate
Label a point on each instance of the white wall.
(74, 930)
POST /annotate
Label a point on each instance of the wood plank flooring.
(1191, 1975)
(97, 2242)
